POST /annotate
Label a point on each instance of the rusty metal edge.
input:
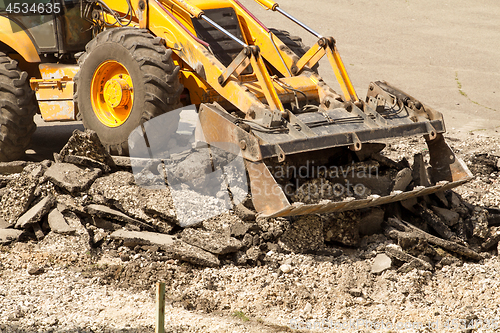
(330, 207)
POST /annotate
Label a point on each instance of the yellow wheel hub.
(112, 93)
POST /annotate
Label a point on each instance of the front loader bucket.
(330, 137)
(447, 171)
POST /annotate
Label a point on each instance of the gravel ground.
(83, 297)
(63, 285)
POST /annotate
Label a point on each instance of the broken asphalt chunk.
(244, 213)
(436, 223)
(398, 228)
(106, 212)
(86, 144)
(296, 240)
(35, 213)
(419, 172)
(213, 242)
(170, 244)
(494, 216)
(38, 231)
(78, 242)
(105, 224)
(492, 239)
(72, 178)
(118, 189)
(341, 227)
(479, 221)
(86, 162)
(448, 216)
(385, 161)
(66, 202)
(58, 223)
(19, 194)
(158, 202)
(5, 179)
(9, 235)
(239, 229)
(402, 180)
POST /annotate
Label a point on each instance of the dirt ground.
(444, 53)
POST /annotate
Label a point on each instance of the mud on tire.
(155, 81)
(18, 105)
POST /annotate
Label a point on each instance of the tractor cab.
(54, 26)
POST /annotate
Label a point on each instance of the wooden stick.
(160, 307)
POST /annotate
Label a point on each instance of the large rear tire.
(18, 106)
(126, 77)
(294, 43)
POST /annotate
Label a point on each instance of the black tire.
(294, 43)
(18, 105)
(154, 76)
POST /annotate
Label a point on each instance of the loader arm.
(196, 55)
(326, 46)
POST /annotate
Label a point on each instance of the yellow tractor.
(115, 64)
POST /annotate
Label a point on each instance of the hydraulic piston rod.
(221, 29)
(274, 6)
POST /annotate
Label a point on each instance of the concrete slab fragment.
(35, 213)
(381, 263)
(9, 235)
(72, 178)
(58, 223)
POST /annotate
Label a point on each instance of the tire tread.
(17, 109)
(160, 75)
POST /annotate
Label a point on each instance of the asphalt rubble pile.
(91, 201)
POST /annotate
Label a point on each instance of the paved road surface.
(420, 46)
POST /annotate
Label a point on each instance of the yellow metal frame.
(172, 21)
(54, 91)
(16, 38)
